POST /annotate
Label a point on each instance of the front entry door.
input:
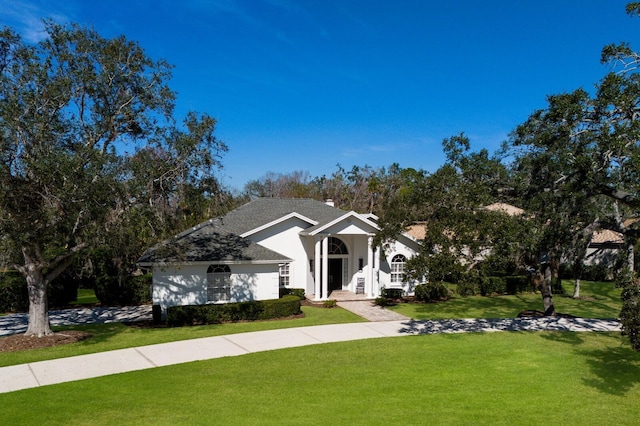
(335, 274)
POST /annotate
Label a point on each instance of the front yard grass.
(107, 337)
(598, 300)
(463, 379)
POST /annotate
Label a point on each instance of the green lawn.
(465, 379)
(106, 337)
(86, 296)
(598, 300)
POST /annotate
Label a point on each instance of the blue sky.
(306, 85)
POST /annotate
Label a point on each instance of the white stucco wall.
(393, 248)
(601, 256)
(284, 238)
(177, 285)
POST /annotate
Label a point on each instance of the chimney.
(329, 202)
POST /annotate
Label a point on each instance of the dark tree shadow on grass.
(616, 370)
(571, 338)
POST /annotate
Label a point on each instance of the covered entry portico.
(341, 261)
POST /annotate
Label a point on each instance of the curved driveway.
(17, 323)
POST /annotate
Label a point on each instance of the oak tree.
(74, 110)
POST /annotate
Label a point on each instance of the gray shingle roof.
(261, 211)
(219, 240)
(208, 242)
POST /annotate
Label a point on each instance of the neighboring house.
(603, 248)
(270, 242)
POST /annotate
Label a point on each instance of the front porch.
(339, 296)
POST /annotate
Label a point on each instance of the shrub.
(233, 312)
(391, 293)
(14, 295)
(136, 290)
(630, 312)
(518, 284)
(596, 273)
(431, 292)
(62, 290)
(493, 285)
(13, 292)
(156, 314)
(285, 291)
(330, 303)
(382, 301)
(466, 288)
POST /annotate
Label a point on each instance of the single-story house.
(270, 243)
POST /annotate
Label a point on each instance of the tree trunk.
(38, 304)
(547, 294)
(576, 288)
(578, 268)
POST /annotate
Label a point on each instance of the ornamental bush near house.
(383, 301)
(391, 293)
(233, 312)
(284, 291)
(431, 292)
(330, 303)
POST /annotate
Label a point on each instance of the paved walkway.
(381, 324)
(370, 311)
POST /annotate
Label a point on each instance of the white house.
(270, 242)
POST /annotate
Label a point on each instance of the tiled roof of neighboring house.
(417, 230)
(505, 208)
(606, 236)
(220, 239)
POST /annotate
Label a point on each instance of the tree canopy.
(86, 135)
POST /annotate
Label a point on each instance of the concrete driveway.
(17, 323)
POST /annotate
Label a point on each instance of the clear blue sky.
(305, 85)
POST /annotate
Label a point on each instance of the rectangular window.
(219, 287)
(284, 275)
(218, 283)
(397, 272)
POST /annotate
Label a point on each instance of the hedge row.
(431, 292)
(391, 293)
(505, 285)
(233, 312)
(285, 291)
(589, 272)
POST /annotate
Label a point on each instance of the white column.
(376, 268)
(325, 268)
(317, 264)
(369, 277)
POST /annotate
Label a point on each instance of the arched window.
(398, 264)
(218, 283)
(336, 246)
